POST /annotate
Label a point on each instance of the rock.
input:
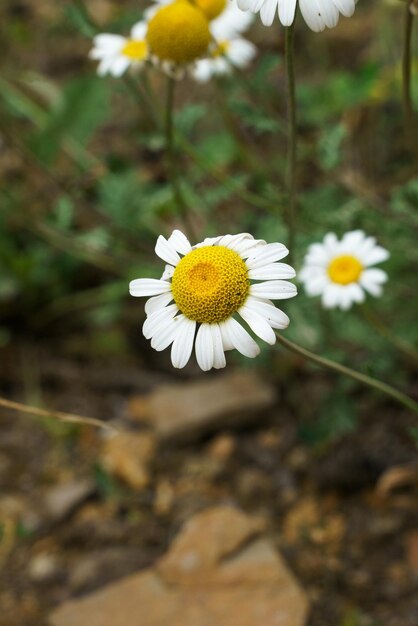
(62, 500)
(187, 411)
(164, 498)
(127, 456)
(211, 575)
(205, 540)
(43, 567)
(222, 447)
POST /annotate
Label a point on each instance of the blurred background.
(330, 468)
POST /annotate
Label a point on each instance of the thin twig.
(388, 390)
(63, 417)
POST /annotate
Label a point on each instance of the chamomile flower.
(178, 34)
(116, 53)
(204, 288)
(341, 271)
(227, 48)
(318, 14)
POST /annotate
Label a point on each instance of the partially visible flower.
(224, 55)
(232, 21)
(211, 8)
(178, 35)
(116, 53)
(202, 289)
(341, 271)
(318, 14)
(227, 49)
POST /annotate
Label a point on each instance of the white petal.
(274, 316)
(179, 242)
(139, 31)
(148, 287)
(372, 280)
(183, 342)
(204, 347)
(226, 340)
(166, 251)
(287, 11)
(119, 66)
(331, 296)
(345, 7)
(267, 254)
(268, 11)
(165, 335)
(312, 15)
(168, 272)
(158, 302)
(258, 324)
(376, 255)
(329, 12)
(272, 271)
(356, 293)
(274, 290)
(235, 335)
(219, 360)
(158, 320)
(111, 44)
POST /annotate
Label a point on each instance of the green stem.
(346, 371)
(291, 149)
(407, 66)
(171, 158)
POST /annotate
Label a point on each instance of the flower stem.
(171, 158)
(400, 397)
(407, 66)
(291, 145)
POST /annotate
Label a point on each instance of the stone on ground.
(219, 571)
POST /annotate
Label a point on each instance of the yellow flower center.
(135, 50)
(211, 8)
(210, 284)
(221, 49)
(179, 32)
(344, 269)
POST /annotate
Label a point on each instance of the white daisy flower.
(318, 14)
(341, 271)
(202, 289)
(116, 53)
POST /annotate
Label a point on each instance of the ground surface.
(344, 515)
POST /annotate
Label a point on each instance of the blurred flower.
(225, 54)
(211, 8)
(340, 271)
(207, 285)
(227, 48)
(116, 53)
(318, 14)
(178, 34)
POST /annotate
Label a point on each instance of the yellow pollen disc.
(211, 8)
(135, 50)
(210, 284)
(345, 269)
(179, 32)
(221, 49)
